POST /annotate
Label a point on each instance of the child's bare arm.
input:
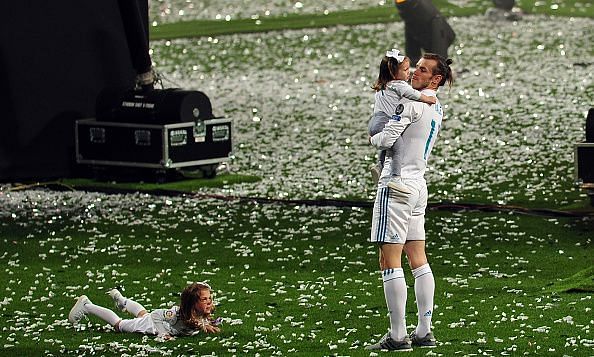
(211, 329)
(208, 326)
(165, 337)
(427, 99)
(408, 92)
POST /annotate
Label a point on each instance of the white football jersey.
(418, 125)
(167, 321)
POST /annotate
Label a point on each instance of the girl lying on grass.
(191, 317)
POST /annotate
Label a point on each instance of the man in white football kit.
(398, 221)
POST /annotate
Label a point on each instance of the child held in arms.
(194, 314)
(390, 88)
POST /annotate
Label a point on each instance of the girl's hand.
(427, 99)
(431, 100)
(208, 328)
(164, 337)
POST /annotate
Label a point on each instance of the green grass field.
(288, 279)
(379, 14)
(293, 279)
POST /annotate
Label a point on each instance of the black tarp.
(55, 57)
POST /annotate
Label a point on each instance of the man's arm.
(392, 131)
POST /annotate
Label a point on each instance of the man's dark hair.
(442, 68)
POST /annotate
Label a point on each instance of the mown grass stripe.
(199, 28)
(379, 14)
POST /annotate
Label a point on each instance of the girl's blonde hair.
(187, 311)
(388, 70)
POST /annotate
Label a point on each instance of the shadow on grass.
(580, 282)
(185, 182)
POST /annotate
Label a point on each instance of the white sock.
(132, 306)
(424, 291)
(395, 292)
(104, 314)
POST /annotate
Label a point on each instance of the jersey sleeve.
(404, 90)
(394, 128)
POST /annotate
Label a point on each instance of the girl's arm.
(427, 99)
(209, 326)
(165, 337)
(406, 91)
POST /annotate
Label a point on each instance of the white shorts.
(399, 217)
(144, 325)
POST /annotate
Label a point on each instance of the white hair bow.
(395, 54)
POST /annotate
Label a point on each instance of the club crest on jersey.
(397, 112)
(169, 314)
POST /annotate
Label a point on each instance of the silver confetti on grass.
(512, 117)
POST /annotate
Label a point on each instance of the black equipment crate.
(167, 146)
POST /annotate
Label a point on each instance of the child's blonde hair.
(187, 309)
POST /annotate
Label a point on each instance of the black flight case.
(164, 130)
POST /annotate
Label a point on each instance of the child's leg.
(104, 314)
(396, 159)
(134, 308)
(144, 325)
(376, 169)
(126, 304)
(84, 306)
(381, 158)
(395, 183)
(377, 122)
